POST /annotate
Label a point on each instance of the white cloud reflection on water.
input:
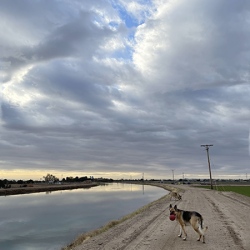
(52, 220)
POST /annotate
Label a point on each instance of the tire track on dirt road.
(227, 219)
(231, 231)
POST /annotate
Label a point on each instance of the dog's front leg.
(184, 231)
(179, 235)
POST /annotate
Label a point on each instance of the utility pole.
(207, 148)
(173, 176)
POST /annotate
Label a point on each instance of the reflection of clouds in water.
(124, 187)
(114, 187)
(8, 222)
(50, 220)
(20, 200)
(36, 205)
(14, 229)
(119, 187)
(64, 197)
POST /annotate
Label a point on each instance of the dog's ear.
(175, 207)
(170, 206)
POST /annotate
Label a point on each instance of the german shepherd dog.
(186, 218)
(175, 195)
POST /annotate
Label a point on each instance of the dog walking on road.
(189, 218)
(176, 195)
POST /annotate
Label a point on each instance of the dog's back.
(187, 215)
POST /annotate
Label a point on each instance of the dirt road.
(226, 214)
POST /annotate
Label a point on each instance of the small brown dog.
(186, 218)
(175, 195)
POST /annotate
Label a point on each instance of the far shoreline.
(38, 188)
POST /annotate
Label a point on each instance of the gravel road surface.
(226, 214)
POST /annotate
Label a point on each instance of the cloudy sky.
(118, 88)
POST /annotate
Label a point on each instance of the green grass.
(245, 190)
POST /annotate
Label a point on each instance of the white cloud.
(124, 86)
(181, 47)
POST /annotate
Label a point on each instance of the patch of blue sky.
(124, 54)
(128, 18)
(131, 22)
(114, 24)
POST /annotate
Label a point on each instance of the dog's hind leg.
(201, 233)
(203, 238)
(198, 232)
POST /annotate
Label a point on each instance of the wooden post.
(207, 148)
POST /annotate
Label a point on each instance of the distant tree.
(84, 178)
(70, 179)
(50, 178)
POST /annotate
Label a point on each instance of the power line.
(207, 148)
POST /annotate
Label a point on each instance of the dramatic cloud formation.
(120, 88)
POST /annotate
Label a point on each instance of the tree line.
(50, 178)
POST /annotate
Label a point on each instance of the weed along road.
(225, 213)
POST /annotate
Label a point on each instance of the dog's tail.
(201, 229)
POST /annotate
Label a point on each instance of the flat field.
(244, 190)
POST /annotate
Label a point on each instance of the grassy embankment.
(244, 190)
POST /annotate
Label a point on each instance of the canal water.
(49, 221)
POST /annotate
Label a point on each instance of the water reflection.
(52, 220)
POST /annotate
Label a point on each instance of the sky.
(124, 88)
